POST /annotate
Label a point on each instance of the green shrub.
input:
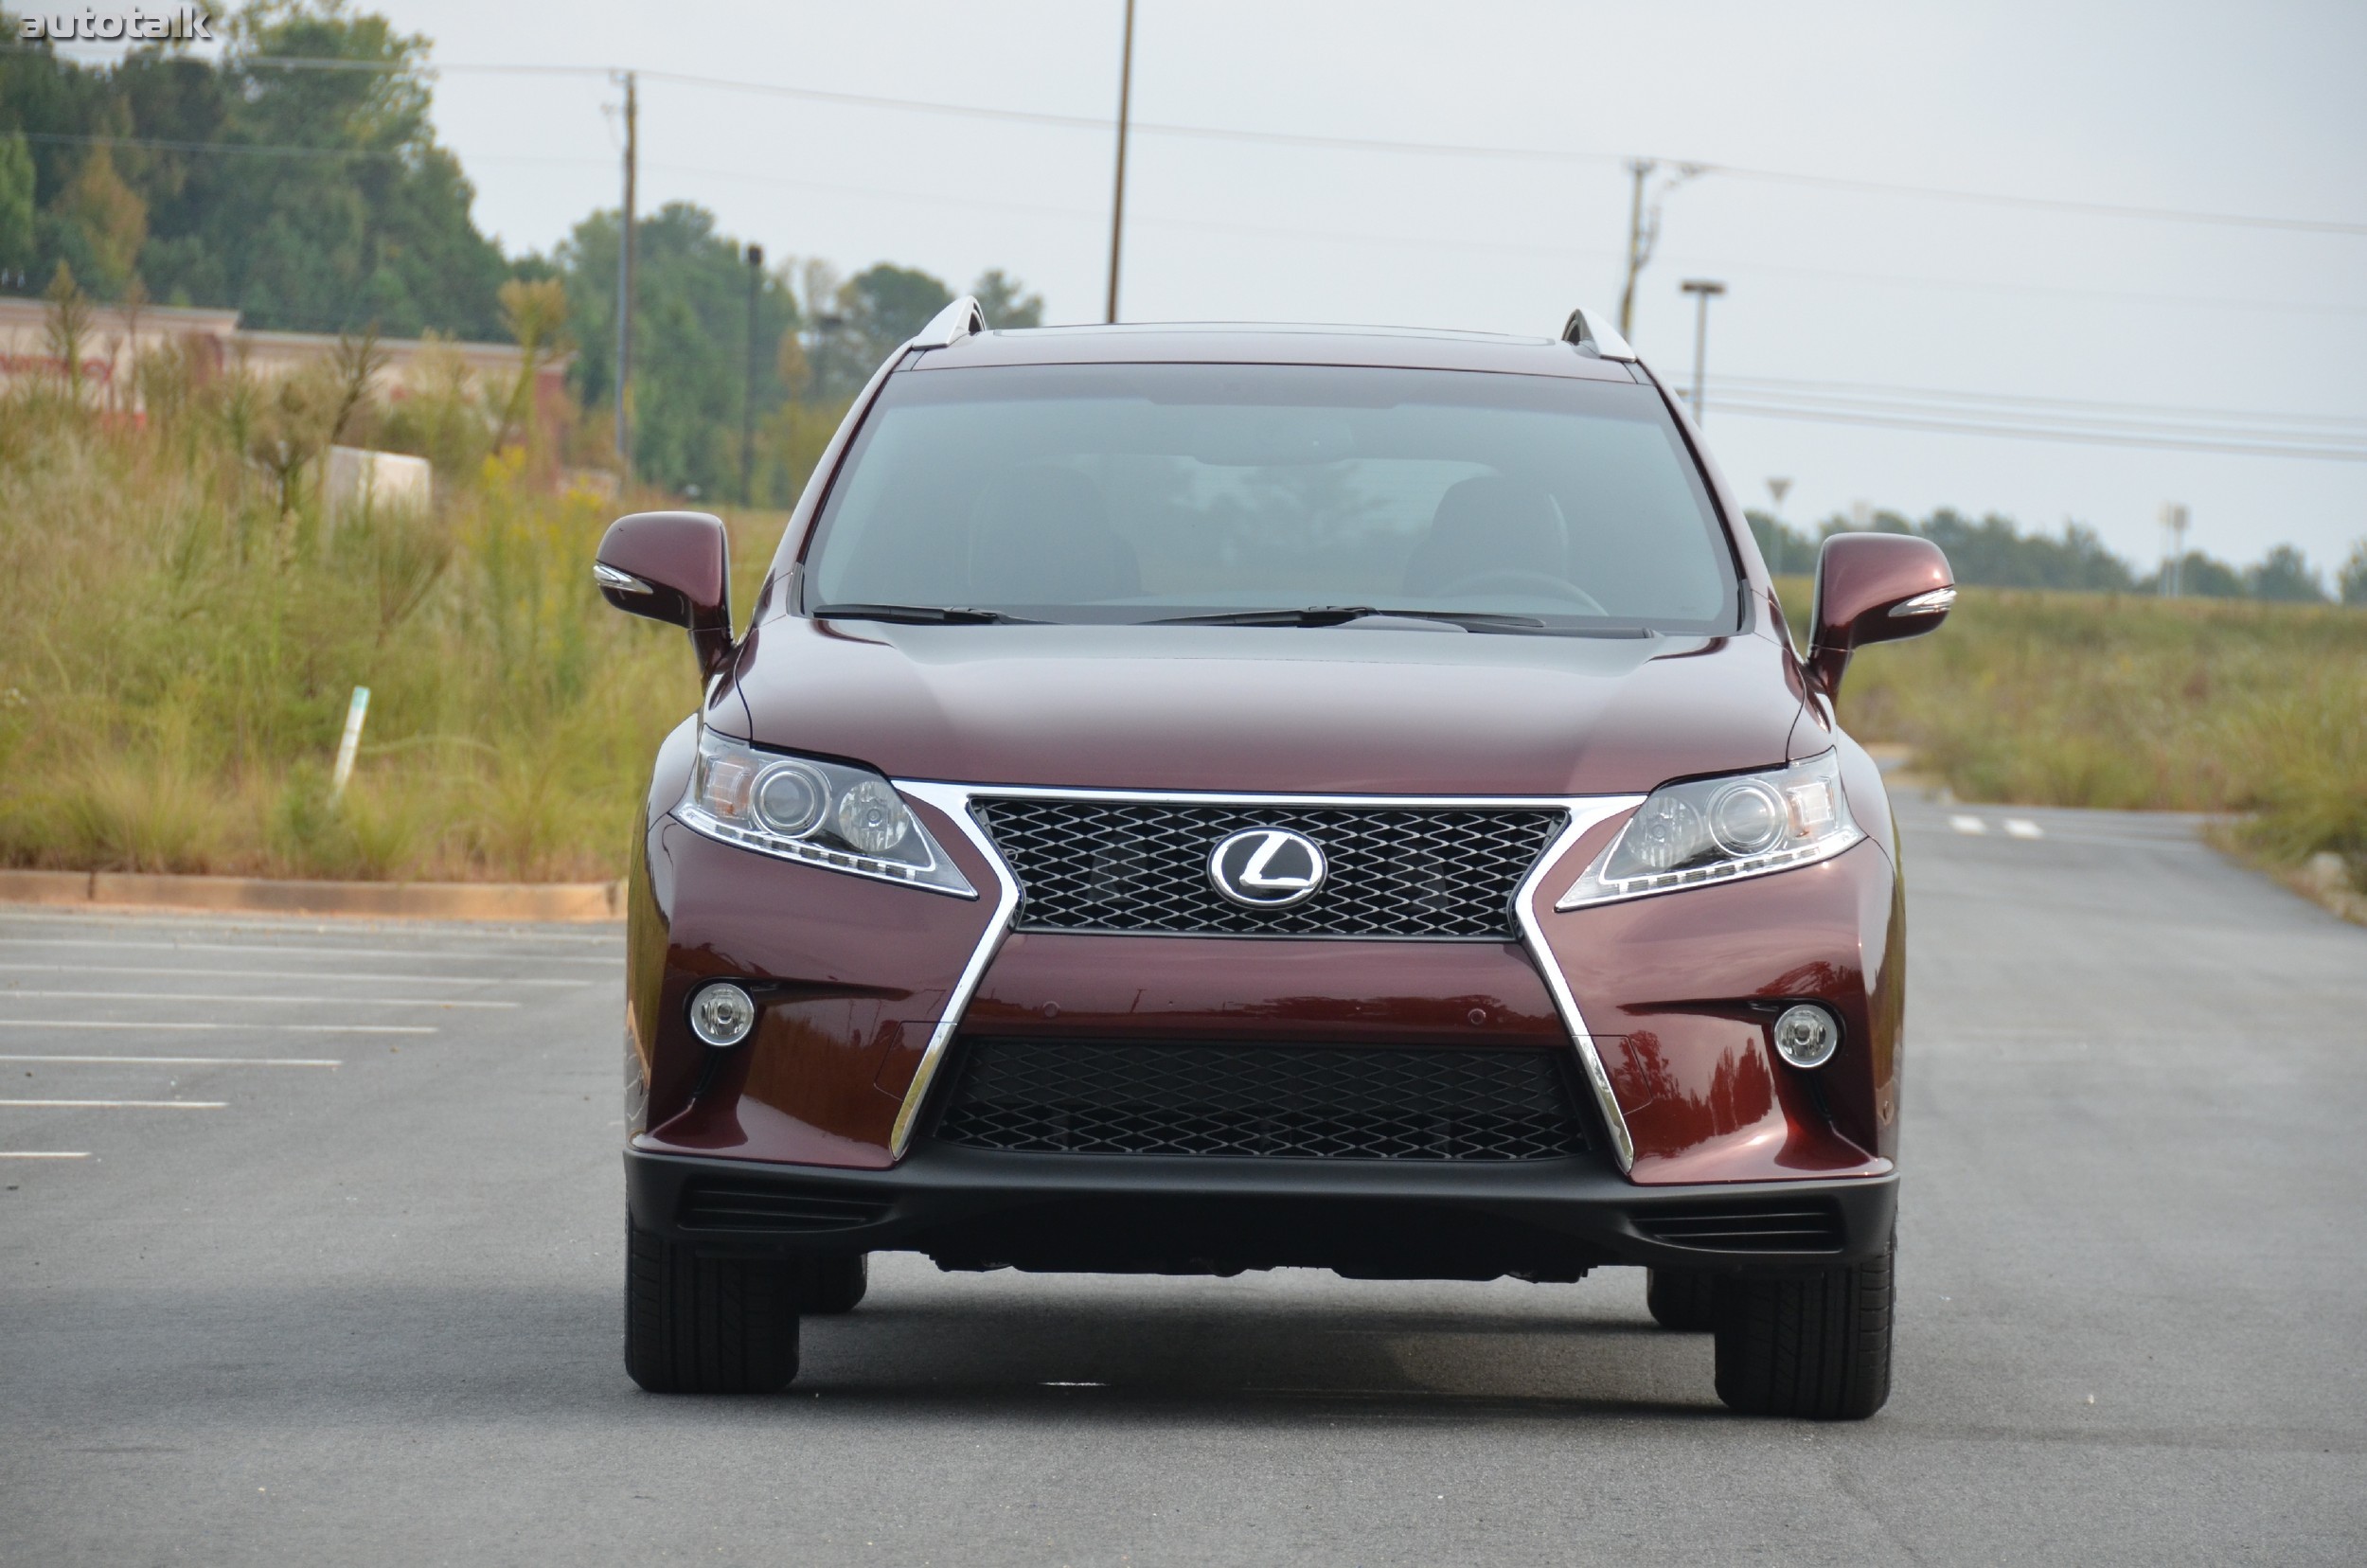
(181, 649)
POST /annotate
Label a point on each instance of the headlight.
(822, 814)
(1717, 830)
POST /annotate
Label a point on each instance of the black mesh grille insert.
(1279, 1101)
(1131, 865)
(1814, 1228)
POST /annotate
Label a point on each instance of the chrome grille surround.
(957, 803)
(1140, 867)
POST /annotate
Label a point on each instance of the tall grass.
(184, 625)
(178, 653)
(2061, 699)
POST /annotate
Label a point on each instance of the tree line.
(320, 201)
(1994, 553)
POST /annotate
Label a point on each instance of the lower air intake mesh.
(1272, 1102)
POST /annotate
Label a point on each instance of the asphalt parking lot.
(309, 1252)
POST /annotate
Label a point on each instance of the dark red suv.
(1202, 798)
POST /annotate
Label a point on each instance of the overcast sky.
(2252, 109)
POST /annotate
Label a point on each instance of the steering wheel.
(1515, 580)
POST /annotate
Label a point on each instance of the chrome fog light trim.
(722, 1014)
(1807, 1035)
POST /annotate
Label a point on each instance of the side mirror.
(675, 567)
(1874, 588)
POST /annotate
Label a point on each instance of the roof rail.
(951, 325)
(1593, 330)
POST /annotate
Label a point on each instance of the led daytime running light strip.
(1774, 859)
(816, 854)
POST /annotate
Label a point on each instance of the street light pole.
(1117, 202)
(748, 403)
(1703, 290)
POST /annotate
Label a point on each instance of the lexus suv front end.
(1197, 799)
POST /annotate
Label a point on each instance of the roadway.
(336, 1278)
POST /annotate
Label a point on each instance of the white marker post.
(355, 712)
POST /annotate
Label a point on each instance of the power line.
(160, 144)
(1428, 241)
(1364, 144)
(2248, 443)
(1780, 384)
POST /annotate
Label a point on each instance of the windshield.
(1142, 492)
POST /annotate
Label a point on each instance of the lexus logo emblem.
(1266, 868)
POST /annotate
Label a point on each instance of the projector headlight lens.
(1717, 830)
(792, 798)
(831, 814)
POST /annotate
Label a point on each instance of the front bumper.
(1545, 1219)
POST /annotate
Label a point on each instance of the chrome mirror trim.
(1938, 602)
(624, 583)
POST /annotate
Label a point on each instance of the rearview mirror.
(675, 567)
(1874, 588)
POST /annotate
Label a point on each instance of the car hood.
(1330, 710)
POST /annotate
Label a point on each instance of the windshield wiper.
(919, 614)
(1314, 615)
(1339, 615)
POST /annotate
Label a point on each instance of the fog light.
(1806, 1037)
(723, 1015)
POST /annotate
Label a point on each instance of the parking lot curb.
(573, 901)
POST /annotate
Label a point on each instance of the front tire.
(706, 1325)
(1818, 1347)
(827, 1287)
(1682, 1299)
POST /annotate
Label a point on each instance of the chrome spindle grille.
(1142, 865)
(1262, 1101)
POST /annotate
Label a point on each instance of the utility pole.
(1778, 489)
(1703, 290)
(2174, 578)
(1117, 203)
(1643, 230)
(1639, 248)
(624, 295)
(748, 403)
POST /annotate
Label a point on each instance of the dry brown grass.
(2059, 699)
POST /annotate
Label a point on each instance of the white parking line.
(293, 925)
(202, 996)
(317, 976)
(2023, 828)
(188, 1061)
(438, 954)
(114, 1105)
(183, 1024)
(44, 1153)
(1968, 825)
